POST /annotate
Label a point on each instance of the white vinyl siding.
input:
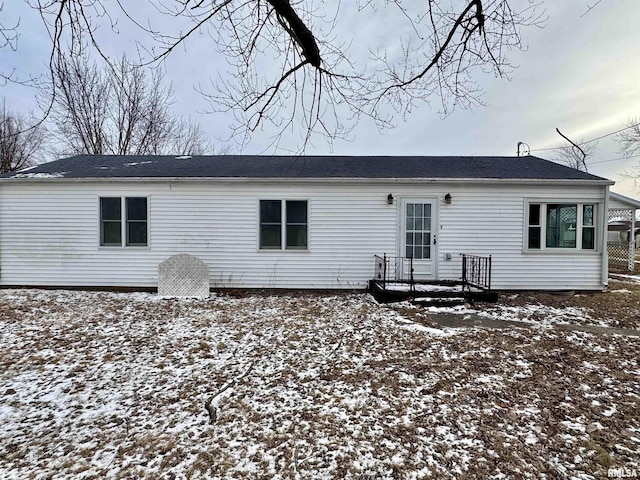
(491, 220)
(50, 235)
(217, 224)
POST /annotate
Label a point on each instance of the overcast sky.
(580, 73)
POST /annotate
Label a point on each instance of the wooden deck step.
(438, 301)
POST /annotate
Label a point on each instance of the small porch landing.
(394, 281)
(442, 293)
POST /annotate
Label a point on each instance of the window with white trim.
(111, 221)
(561, 225)
(284, 223)
(123, 218)
(136, 211)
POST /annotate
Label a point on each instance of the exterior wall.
(49, 234)
(616, 204)
(491, 221)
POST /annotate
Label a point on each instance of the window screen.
(270, 224)
(136, 221)
(110, 221)
(296, 224)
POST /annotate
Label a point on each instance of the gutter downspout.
(605, 248)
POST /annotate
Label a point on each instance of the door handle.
(434, 240)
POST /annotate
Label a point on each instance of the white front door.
(417, 236)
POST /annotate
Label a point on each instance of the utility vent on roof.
(183, 275)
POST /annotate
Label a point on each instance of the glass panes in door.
(418, 230)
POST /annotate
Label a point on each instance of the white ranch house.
(302, 222)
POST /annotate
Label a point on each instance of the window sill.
(121, 247)
(560, 251)
(283, 250)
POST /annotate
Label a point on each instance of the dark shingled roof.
(256, 166)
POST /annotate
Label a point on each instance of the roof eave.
(632, 202)
(310, 180)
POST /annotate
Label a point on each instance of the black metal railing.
(476, 271)
(393, 269)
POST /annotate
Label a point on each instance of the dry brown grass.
(618, 307)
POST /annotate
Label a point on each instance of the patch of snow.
(132, 164)
(440, 300)
(630, 278)
(489, 379)
(578, 427)
(184, 157)
(539, 315)
(41, 175)
(529, 411)
(426, 287)
(431, 331)
(456, 309)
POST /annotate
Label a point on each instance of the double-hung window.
(123, 218)
(565, 225)
(284, 223)
(136, 210)
(111, 221)
(270, 224)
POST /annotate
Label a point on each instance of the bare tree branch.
(8, 35)
(291, 65)
(574, 155)
(119, 111)
(20, 141)
(461, 43)
(629, 138)
(577, 153)
(591, 7)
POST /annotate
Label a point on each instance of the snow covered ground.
(105, 385)
(625, 277)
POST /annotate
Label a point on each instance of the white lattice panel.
(621, 253)
(183, 275)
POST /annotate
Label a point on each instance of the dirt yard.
(619, 307)
(104, 385)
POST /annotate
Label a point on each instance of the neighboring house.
(302, 222)
(619, 231)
